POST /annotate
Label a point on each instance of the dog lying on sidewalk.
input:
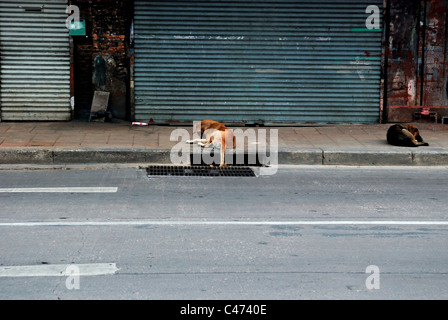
(405, 135)
(216, 134)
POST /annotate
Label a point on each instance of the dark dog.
(405, 135)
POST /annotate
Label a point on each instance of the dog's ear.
(413, 130)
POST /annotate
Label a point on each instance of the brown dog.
(215, 134)
(405, 135)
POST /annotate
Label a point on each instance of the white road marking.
(56, 270)
(221, 223)
(61, 190)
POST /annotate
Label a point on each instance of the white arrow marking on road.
(61, 189)
(57, 270)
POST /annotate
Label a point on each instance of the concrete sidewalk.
(77, 142)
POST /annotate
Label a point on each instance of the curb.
(349, 157)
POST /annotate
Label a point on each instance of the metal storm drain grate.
(241, 160)
(199, 171)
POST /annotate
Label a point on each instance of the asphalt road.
(305, 233)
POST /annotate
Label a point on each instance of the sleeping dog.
(405, 135)
(216, 134)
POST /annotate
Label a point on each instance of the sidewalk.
(77, 142)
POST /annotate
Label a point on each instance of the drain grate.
(199, 171)
(240, 160)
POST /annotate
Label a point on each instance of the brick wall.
(107, 34)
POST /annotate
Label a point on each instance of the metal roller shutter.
(257, 61)
(35, 60)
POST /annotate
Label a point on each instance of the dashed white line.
(61, 190)
(55, 270)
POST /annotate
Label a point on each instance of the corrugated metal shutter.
(35, 60)
(257, 61)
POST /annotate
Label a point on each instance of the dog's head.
(200, 127)
(413, 129)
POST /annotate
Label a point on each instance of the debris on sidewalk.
(98, 110)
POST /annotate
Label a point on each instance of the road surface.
(308, 232)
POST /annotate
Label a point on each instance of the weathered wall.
(403, 76)
(107, 23)
(435, 55)
(417, 59)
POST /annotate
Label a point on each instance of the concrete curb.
(28, 155)
(79, 156)
(349, 157)
(430, 157)
(367, 158)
